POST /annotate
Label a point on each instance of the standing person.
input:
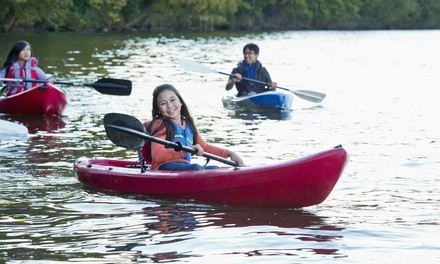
(20, 65)
(250, 67)
(173, 122)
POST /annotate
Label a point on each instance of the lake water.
(382, 105)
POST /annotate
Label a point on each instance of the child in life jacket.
(21, 65)
(173, 122)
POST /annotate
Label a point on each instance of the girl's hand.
(199, 149)
(236, 158)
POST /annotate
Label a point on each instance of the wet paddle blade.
(120, 138)
(112, 86)
(13, 130)
(312, 96)
(194, 66)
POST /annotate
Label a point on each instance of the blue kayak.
(272, 100)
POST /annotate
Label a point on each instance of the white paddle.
(308, 95)
(12, 129)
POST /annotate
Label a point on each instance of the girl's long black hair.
(156, 114)
(13, 53)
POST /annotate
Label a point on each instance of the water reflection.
(171, 220)
(36, 124)
(260, 115)
(175, 224)
(181, 218)
(45, 147)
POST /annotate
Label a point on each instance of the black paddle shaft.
(248, 79)
(167, 143)
(104, 85)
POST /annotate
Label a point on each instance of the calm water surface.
(382, 105)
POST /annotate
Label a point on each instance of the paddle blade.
(312, 96)
(122, 139)
(112, 86)
(13, 130)
(194, 66)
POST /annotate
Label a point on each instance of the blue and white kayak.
(272, 100)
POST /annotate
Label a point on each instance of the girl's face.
(169, 105)
(25, 54)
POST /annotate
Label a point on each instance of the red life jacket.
(16, 71)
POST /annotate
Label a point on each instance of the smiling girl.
(172, 121)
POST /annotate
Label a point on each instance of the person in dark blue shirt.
(250, 67)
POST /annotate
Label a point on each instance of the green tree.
(335, 14)
(379, 14)
(190, 14)
(250, 15)
(209, 15)
(429, 14)
(296, 14)
(96, 14)
(44, 14)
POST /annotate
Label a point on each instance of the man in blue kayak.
(250, 68)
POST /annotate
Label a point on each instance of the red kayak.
(43, 100)
(296, 183)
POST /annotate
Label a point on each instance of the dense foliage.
(206, 15)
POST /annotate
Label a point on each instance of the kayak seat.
(146, 152)
(142, 162)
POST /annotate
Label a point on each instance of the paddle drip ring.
(178, 146)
